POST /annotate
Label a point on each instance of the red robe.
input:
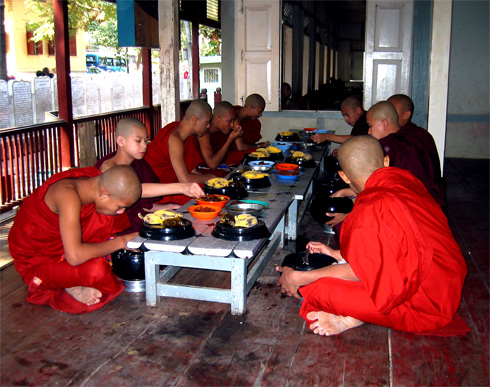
(360, 127)
(399, 244)
(251, 129)
(158, 156)
(37, 249)
(146, 175)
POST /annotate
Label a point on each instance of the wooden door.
(388, 51)
(257, 51)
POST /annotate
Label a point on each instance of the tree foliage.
(211, 41)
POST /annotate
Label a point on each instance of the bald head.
(223, 108)
(198, 108)
(405, 102)
(122, 182)
(126, 126)
(359, 157)
(255, 101)
(352, 103)
(384, 110)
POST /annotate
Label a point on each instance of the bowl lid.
(316, 261)
(168, 233)
(230, 233)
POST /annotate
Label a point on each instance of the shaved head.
(122, 182)
(384, 110)
(198, 108)
(126, 126)
(352, 103)
(360, 156)
(404, 101)
(223, 108)
(255, 101)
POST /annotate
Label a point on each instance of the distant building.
(210, 75)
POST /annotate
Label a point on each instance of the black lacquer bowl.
(231, 233)
(294, 137)
(247, 158)
(161, 233)
(253, 183)
(276, 156)
(321, 205)
(301, 162)
(331, 164)
(128, 265)
(324, 188)
(235, 192)
(316, 261)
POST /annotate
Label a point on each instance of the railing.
(30, 155)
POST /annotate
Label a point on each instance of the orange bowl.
(205, 215)
(287, 167)
(219, 203)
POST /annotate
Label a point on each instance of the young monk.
(404, 269)
(221, 135)
(63, 231)
(248, 117)
(132, 140)
(174, 154)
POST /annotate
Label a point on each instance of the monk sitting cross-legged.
(404, 268)
(174, 153)
(64, 230)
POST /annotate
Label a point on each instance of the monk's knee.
(95, 271)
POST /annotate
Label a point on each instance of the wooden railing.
(30, 155)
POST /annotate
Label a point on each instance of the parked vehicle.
(105, 63)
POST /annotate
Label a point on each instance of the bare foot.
(87, 296)
(328, 324)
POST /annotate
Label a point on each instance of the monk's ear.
(386, 161)
(120, 140)
(344, 177)
(194, 120)
(104, 194)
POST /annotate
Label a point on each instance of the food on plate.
(254, 175)
(217, 182)
(286, 133)
(166, 218)
(213, 198)
(298, 154)
(245, 220)
(204, 209)
(167, 214)
(273, 149)
(288, 173)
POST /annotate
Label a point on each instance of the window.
(212, 10)
(51, 50)
(33, 48)
(73, 45)
(211, 76)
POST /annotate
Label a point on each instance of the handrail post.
(147, 88)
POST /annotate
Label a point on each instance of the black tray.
(230, 233)
(128, 265)
(316, 261)
(168, 233)
(253, 183)
(294, 137)
(234, 193)
(301, 162)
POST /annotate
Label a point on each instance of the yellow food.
(245, 220)
(298, 154)
(217, 182)
(273, 149)
(307, 156)
(167, 214)
(254, 175)
(287, 133)
(153, 219)
(257, 154)
(264, 151)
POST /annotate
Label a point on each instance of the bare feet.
(328, 324)
(87, 296)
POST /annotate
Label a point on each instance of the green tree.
(211, 41)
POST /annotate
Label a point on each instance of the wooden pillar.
(311, 54)
(147, 88)
(65, 104)
(169, 37)
(196, 91)
(298, 46)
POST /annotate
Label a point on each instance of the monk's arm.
(213, 160)
(242, 145)
(153, 190)
(176, 151)
(337, 138)
(65, 201)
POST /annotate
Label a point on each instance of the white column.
(439, 73)
(169, 37)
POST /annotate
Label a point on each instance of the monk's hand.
(126, 238)
(289, 281)
(192, 190)
(264, 144)
(342, 193)
(335, 152)
(319, 137)
(337, 218)
(319, 247)
(236, 132)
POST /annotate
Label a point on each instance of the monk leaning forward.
(404, 269)
(63, 232)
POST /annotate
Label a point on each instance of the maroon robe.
(251, 129)
(361, 127)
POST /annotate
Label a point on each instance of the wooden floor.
(191, 343)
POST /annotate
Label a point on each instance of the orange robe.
(398, 243)
(37, 249)
(158, 156)
(251, 129)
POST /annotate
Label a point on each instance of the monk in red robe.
(221, 136)
(63, 232)
(403, 268)
(132, 140)
(175, 153)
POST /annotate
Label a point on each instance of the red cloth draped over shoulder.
(158, 156)
(35, 241)
(251, 129)
(146, 175)
(234, 156)
(398, 243)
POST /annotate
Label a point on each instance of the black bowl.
(316, 261)
(331, 164)
(230, 233)
(253, 183)
(301, 162)
(276, 156)
(128, 265)
(321, 205)
(322, 188)
(168, 233)
(247, 158)
(294, 137)
(234, 193)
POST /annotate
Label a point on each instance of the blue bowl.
(287, 177)
(261, 165)
(283, 146)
